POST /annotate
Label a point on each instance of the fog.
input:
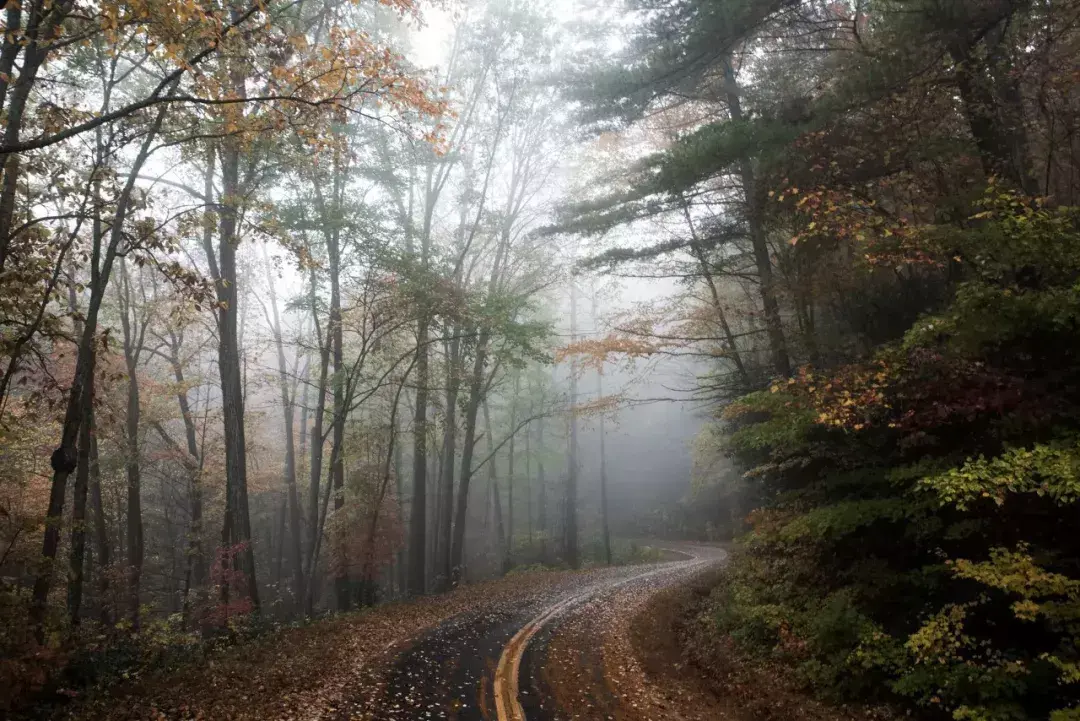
(363, 308)
(297, 325)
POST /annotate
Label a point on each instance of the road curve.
(487, 664)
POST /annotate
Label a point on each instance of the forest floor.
(623, 645)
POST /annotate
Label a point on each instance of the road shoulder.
(675, 641)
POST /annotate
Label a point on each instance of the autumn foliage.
(914, 542)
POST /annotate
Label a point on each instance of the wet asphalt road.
(449, 673)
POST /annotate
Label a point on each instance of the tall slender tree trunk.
(476, 396)
(195, 568)
(755, 198)
(605, 526)
(570, 507)
(705, 267)
(528, 479)
(82, 472)
(433, 477)
(195, 562)
(541, 491)
(78, 514)
(134, 495)
(453, 385)
(316, 444)
(418, 512)
(320, 518)
(472, 409)
(399, 468)
(236, 530)
(291, 501)
(134, 334)
(509, 560)
(35, 42)
(337, 470)
(368, 574)
(496, 495)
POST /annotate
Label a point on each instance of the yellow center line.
(505, 686)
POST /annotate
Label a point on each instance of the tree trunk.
(78, 514)
(472, 409)
(291, 500)
(994, 109)
(453, 385)
(316, 442)
(509, 560)
(541, 491)
(64, 459)
(496, 495)
(528, 478)
(134, 334)
(195, 566)
(236, 530)
(101, 530)
(368, 574)
(134, 496)
(755, 218)
(605, 527)
(36, 44)
(82, 472)
(341, 582)
(418, 511)
(570, 507)
(714, 295)
(401, 568)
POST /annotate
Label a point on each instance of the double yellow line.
(505, 686)
(507, 706)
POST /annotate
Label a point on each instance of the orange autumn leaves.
(300, 73)
(594, 353)
(909, 391)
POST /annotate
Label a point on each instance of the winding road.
(541, 659)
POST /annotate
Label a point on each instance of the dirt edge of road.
(677, 645)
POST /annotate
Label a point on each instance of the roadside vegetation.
(872, 208)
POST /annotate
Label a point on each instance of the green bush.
(917, 542)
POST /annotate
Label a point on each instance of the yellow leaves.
(1026, 610)
(941, 638)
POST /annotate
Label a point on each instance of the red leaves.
(912, 392)
(226, 574)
